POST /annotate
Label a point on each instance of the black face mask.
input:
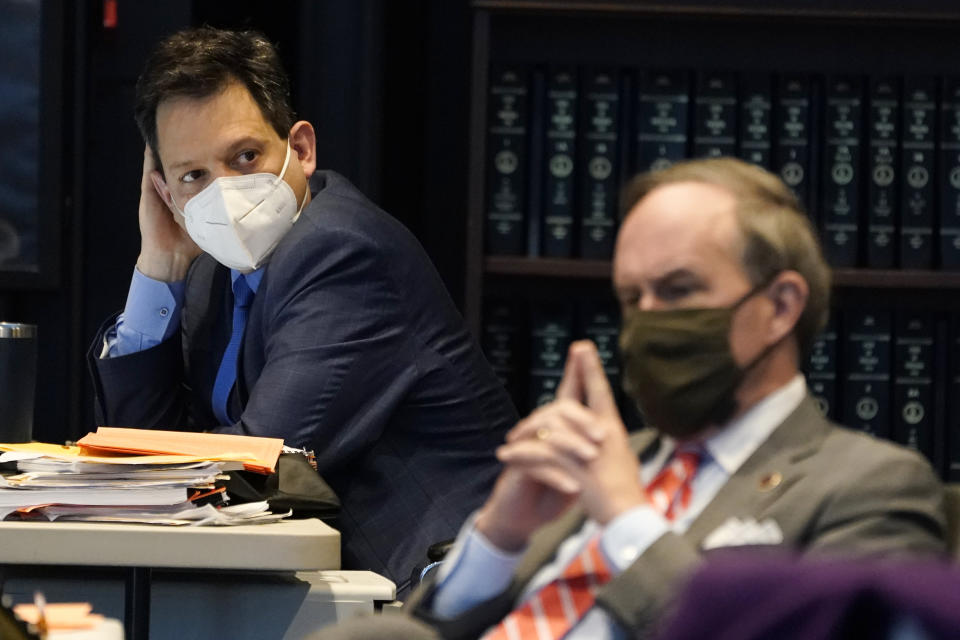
(678, 367)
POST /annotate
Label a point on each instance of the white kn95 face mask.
(239, 220)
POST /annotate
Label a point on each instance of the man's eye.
(190, 176)
(246, 157)
(675, 292)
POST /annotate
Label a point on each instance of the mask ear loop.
(177, 207)
(286, 162)
(770, 347)
(749, 366)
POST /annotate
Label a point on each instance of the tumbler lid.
(17, 330)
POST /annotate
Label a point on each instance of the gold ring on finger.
(542, 433)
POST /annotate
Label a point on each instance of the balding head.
(774, 234)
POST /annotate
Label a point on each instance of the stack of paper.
(68, 483)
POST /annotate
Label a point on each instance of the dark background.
(384, 83)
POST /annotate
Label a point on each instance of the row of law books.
(875, 160)
(527, 344)
(893, 374)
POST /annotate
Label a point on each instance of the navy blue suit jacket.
(352, 348)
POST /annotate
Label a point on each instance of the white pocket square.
(738, 533)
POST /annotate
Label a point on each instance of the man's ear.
(789, 292)
(303, 140)
(163, 191)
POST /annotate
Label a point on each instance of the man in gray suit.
(723, 288)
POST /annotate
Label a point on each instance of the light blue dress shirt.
(476, 570)
(152, 313)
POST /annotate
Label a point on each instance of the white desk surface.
(291, 545)
(109, 629)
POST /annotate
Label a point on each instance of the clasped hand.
(574, 449)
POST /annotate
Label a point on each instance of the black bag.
(294, 485)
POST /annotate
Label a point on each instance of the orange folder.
(256, 454)
(66, 615)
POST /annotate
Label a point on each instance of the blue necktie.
(227, 374)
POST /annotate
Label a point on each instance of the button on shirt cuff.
(151, 315)
(629, 535)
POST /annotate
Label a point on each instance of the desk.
(291, 545)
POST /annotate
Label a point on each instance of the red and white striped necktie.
(552, 611)
(669, 492)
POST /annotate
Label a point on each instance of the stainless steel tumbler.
(18, 379)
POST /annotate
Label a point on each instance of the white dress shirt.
(476, 570)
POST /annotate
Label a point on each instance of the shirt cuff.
(475, 570)
(153, 306)
(629, 535)
(151, 315)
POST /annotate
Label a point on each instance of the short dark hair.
(200, 62)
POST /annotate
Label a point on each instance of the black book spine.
(950, 174)
(503, 325)
(913, 382)
(882, 169)
(793, 126)
(916, 202)
(663, 119)
(507, 125)
(601, 323)
(840, 208)
(599, 171)
(821, 371)
(535, 154)
(866, 385)
(755, 119)
(953, 400)
(551, 330)
(559, 163)
(715, 120)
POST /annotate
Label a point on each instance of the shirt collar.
(253, 278)
(731, 445)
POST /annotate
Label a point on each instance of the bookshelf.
(601, 270)
(818, 40)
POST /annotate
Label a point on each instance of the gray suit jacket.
(839, 492)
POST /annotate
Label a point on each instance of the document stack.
(132, 475)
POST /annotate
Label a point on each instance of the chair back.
(952, 496)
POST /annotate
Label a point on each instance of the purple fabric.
(746, 596)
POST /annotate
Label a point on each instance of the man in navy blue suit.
(272, 299)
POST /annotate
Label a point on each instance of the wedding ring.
(542, 433)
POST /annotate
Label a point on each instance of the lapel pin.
(770, 481)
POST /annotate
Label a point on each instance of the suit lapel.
(766, 475)
(206, 329)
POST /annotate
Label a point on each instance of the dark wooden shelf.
(600, 270)
(547, 267)
(860, 10)
(896, 279)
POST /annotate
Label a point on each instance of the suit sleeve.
(892, 505)
(339, 357)
(141, 389)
